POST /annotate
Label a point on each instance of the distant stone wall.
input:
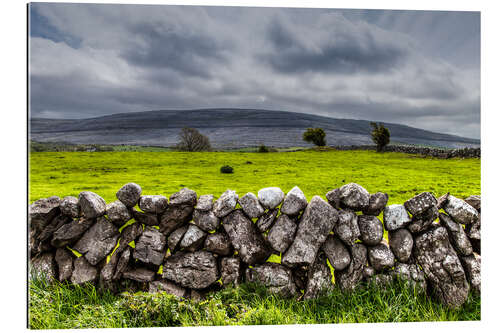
(434, 152)
(188, 245)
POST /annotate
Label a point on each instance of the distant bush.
(380, 136)
(226, 169)
(192, 140)
(263, 149)
(316, 136)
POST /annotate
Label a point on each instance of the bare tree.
(192, 140)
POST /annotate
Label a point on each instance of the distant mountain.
(227, 128)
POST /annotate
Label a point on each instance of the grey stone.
(270, 197)
(251, 205)
(197, 295)
(347, 227)
(354, 196)
(401, 243)
(422, 222)
(368, 272)
(336, 252)
(472, 268)
(174, 217)
(129, 233)
(91, 204)
(41, 212)
(150, 248)
(277, 278)
(108, 271)
(266, 221)
(175, 238)
(371, 229)
(225, 204)
(206, 220)
(193, 238)
(295, 201)
(282, 233)
(168, 287)
(71, 232)
(245, 238)
(395, 217)
(69, 206)
(230, 271)
(441, 266)
(316, 222)
(153, 204)
(441, 201)
(184, 197)
(319, 278)
(420, 203)
(122, 263)
(139, 274)
(98, 241)
(196, 270)
(473, 231)
(333, 198)
(456, 234)
(300, 277)
(218, 243)
(376, 204)
(382, 280)
(350, 277)
(64, 260)
(56, 223)
(44, 266)
(474, 201)
(118, 213)
(145, 218)
(460, 211)
(129, 194)
(83, 271)
(412, 274)
(205, 203)
(381, 257)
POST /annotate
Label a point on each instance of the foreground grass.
(65, 306)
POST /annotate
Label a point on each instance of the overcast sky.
(418, 68)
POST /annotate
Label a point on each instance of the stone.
(175, 238)
(456, 234)
(118, 213)
(316, 222)
(122, 264)
(71, 232)
(395, 217)
(145, 218)
(64, 260)
(98, 241)
(41, 212)
(282, 233)
(350, 277)
(54, 225)
(69, 206)
(412, 274)
(245, 238)
(441, 201)
(230, 271)
(197, 295)
(153, 204)
(381, 257)
(420, 203)
(270, 197)
(139, 274)
(442, 267)
(225, 204)
(346, 227)
(108, 271)
(91, 204)
(472, 268)
(422, 222)
(474, 201)
(401, 243)
(129, 234)
(277, 278)
(370, 229)
(354, 196)
(319, 278)
(196, 270)
(205, 203)
(376, 204)
(193, 238)
(174, 217)
(333, 198)
(218, 243)
(251, 205)
(266, 221)
(473, 231)
(460, 211)
(206, 220)
(295, 201)
(184, 197)
(336, 252)
(83, 271)
(381, 280)
(129, 194)
(150, 248)
(300, 277)
(168, 287)
(368, 272)
(44, 266)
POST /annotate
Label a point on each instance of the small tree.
(192, 140)
(315, 135)
(380, 136)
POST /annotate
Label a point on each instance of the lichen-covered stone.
(295, 201)
(139, 274)
(225, 204)
(168, 287)
(108, 271)
(316, 222)
(474, 201)
(381, 280)
(371, 229)
(56, 223)
(350, 277)
(145, 218)
(129, 233)
(422, 222)
(118, 213)
(347, 228)
(395, 217)
(376, 204)
(205, 203)
(336, 252)
(401, 243)
(122, 264)
(153, 204)
(473, 231)
(266, 221)
(354, 196)
(251, 205)
(412, 274)
(333, 198)
(381, 257)
(456, 234)
(230, 271)
(472, 268)
(206, 220)
(71, 232)
(270, 197)
(83, 271)
(175, 238)
(150, 248)
(319, 278)
(98, 241)
(420, 203)
(218, 243)
(129, 194)
(41, 212)
(174, 217)
(277, 278)
(44, 265)
(193, 238)
(184, 197)
(91, 204)
(368, 272)
(64, 260)
(282, 233)
(196, 270)
(69, 206)
(460, 211)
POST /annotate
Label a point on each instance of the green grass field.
(315, 172)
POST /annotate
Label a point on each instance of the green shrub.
(226, 169)
(263, 149)
(316, 136)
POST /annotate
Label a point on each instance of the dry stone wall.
(188, 245)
